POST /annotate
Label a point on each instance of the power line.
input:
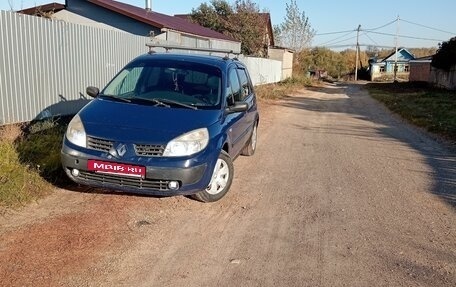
(383, 26)
(354, 37)
(365, 34)
(354, 45)
(378, 46)
(335, 39)
(332, 33)
(354, 30)
(340, 46)
(404, 36)
(424, 26)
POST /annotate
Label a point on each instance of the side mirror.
(238, 107)
(92, 91)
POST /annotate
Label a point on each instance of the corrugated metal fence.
(263, 71)
(46, 65)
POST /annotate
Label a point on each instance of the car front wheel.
(221, 180)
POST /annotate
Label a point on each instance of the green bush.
(40, 148)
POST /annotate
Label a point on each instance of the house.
(268, 36)
(420, 69)
(136, 20)
(394, 66)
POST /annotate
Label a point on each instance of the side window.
(245, 84)
(234, 90)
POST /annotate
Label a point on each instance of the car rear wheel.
(250, 148)
(222, 177)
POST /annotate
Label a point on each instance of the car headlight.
(75, 132)
(188, 144)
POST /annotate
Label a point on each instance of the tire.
(250, 147)
(222, 177)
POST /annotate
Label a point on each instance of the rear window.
(184, 82)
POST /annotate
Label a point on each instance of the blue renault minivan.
(167, 124)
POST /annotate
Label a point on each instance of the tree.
(330, 61)
(372, 51)
(337, 64)
(349, 56)
(422, 52)
(214, 17)
(445, 58)
(295, 32)
(249, 27)
(241, 21)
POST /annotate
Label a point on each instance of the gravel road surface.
(339, 193)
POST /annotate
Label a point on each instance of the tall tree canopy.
(241, 21)
(295, 32)
(445, 58)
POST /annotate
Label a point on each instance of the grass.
(30, 161)
(19, 183)
(282, 89)
(427, 107)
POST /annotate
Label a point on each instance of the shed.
(284, 55)
(420, 69)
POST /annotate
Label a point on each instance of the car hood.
(126, 122)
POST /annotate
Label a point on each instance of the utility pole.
(396, 44)
(357, 53)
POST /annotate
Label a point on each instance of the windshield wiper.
(170, 102)
(155, 101)
(166, 103)
(116, 97)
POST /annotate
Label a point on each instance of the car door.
(247, 96)
(235, 121)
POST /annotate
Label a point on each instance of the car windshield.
(180, 84)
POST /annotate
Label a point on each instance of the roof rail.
(175, 47)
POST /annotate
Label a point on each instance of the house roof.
(160, 20)
(46, 8)
(423, 59)
(399, 50)
(282, 48)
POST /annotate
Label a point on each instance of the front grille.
(149, 150)
(112, 179)
(99, 144)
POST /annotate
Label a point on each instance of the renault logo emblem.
(119, 151)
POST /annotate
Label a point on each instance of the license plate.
(116, 168)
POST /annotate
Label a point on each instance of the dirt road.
(339, 193)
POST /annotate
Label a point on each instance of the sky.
(433, 23)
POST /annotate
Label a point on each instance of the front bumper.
(192, 178)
